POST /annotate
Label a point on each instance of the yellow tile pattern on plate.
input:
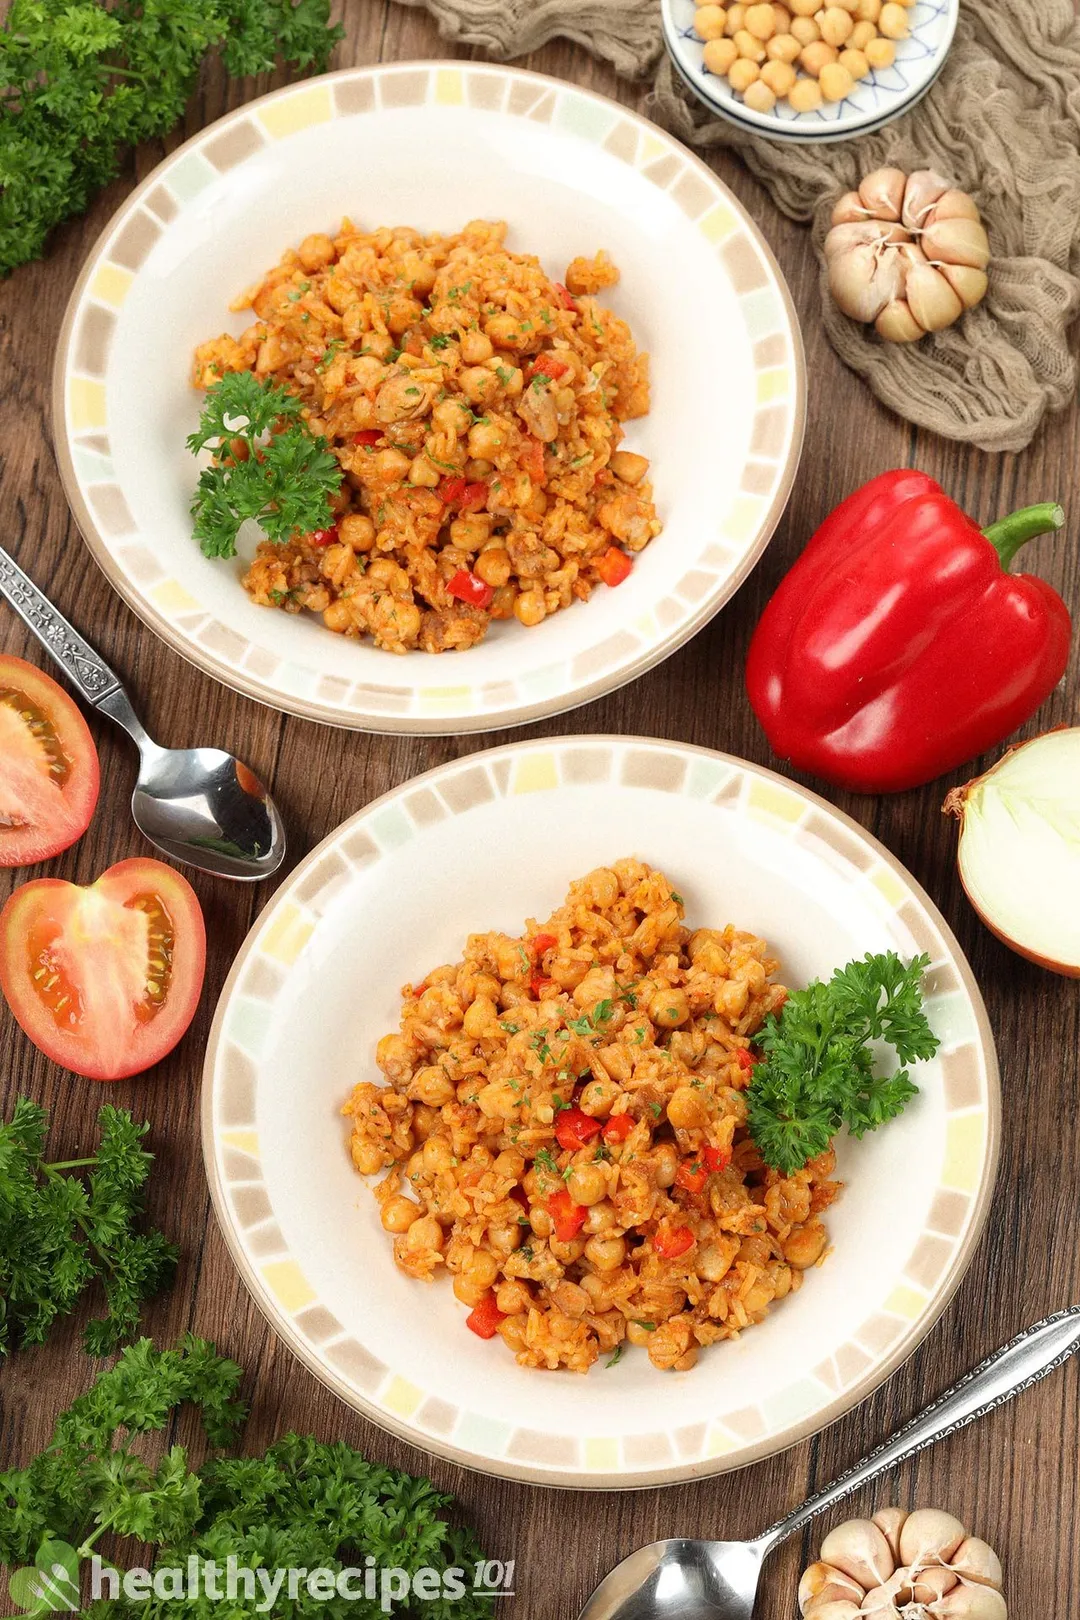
(535, 773)
(449, 87)
(171, 597)
(111, 284)
(773, 384)
(443, 699)
(86, 403)
(288, 1285)
(717, 1442)
(244, 1142)
(906, 1302)
(770, 799)
(402, 1397)
(651, 147)
(285, 117)
(719, 222)
(886, 882)
(743, 518)
(965, 1144)
(287, 935)
(602, 1456)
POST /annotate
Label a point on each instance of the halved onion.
(1019, 854)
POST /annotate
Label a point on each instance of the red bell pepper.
(484, 1318)
(899, 645)
(618, 1128)
(567, 1217)
(575, 1129)
(469, 588)
(614, 565)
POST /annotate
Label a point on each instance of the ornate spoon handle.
(1008, 1372)
(80, 663)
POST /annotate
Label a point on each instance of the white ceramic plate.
(486, 842)
(874, 102)
(435, 146)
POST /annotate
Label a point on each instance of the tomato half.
(48, 766)
(104, 979)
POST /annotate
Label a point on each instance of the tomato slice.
(48, 766)
(104, 979)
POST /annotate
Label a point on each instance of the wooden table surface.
(1013, 1476)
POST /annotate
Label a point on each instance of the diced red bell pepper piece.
(484, 1318)
(539, 985)
(565, 297)
(474, 496)
(543, 942)
(324, 537)
(614, 566)
(716, 1159)
(368, 436)
(671, 1241)
(746, 1059)
(552, 365)
(618, 1128)
(468, 588)
(450, 490)
(532, 460)
(692, 1175)
(575, 1129)
(568, 1217)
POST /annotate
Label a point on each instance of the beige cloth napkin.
(1002, 121)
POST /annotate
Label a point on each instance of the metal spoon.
(718, 1580)
(199, 805)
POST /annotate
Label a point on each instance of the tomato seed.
(40, 728)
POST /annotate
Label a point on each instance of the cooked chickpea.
(598, 1098)
(316, 252)
(357, 531)
(628, 467)
(476, 347)
(530, 607)
(426, 1233)
(761, 21)
(451, 416)
(493, 566)
(868, 10)
(399, 1213)
(337, 617)
(605, 1253)
(586, 1184)
(432, 1085)
(836, 26)
(512, 1333)
(749, 48)
(668, 1008)
(804, 8)
(437, 1154)
(567, 1253)
(861, 35)
(479, 385)
(687, 1110)
(779, 76)
(710, 22)
(512, 1297)
(805, 30)
(806, 1245)
(505, 1238)
(812, 59)
(855, 62)
(783, 48)
(390, 464)
(601, 1218)
(366, 1157)
(759, 97)
(506, 332)
(836, 82)
(639, 1335)
(665, 1160)
(736, 16)
(892, 21)
(742, 75)
(423, 473)
(880, 53)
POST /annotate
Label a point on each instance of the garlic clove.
(862, 233)
(930, 1536)
(971, 1603)
(977, 1562)
(930, 1584)
(890, 1521)
(934, 305)
(955, 205)
(861, 1551)
(824, 1583)
(848, 209)
(862, 282)
(970, 284)
(922, 191)
(830, 1610)
(883, 192)
(882, 1600)
(957, 241)
(896, 323)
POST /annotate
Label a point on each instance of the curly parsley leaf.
(81, 80)
(286, 479)
(64, 1224)
(818, 1071)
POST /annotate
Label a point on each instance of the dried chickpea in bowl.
(802, 52)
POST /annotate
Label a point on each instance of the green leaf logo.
(52, 1586)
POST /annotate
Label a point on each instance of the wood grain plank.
(1013, 1476)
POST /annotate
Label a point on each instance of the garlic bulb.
(908, 252)
(903, 1566)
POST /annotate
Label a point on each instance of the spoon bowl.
(681, 1580)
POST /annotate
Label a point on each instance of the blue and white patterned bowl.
(873, 103)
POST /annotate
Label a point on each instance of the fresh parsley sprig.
(64, 1224)
(818, 1071)
(287, 479)
(81, 80)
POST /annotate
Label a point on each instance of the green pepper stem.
(1008, 534)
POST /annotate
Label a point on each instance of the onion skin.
(956, 805)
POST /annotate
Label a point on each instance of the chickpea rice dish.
(475, 408)
(563, 1130)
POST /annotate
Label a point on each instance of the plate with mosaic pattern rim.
(724, 439)
(883, 95)
(485, 842)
